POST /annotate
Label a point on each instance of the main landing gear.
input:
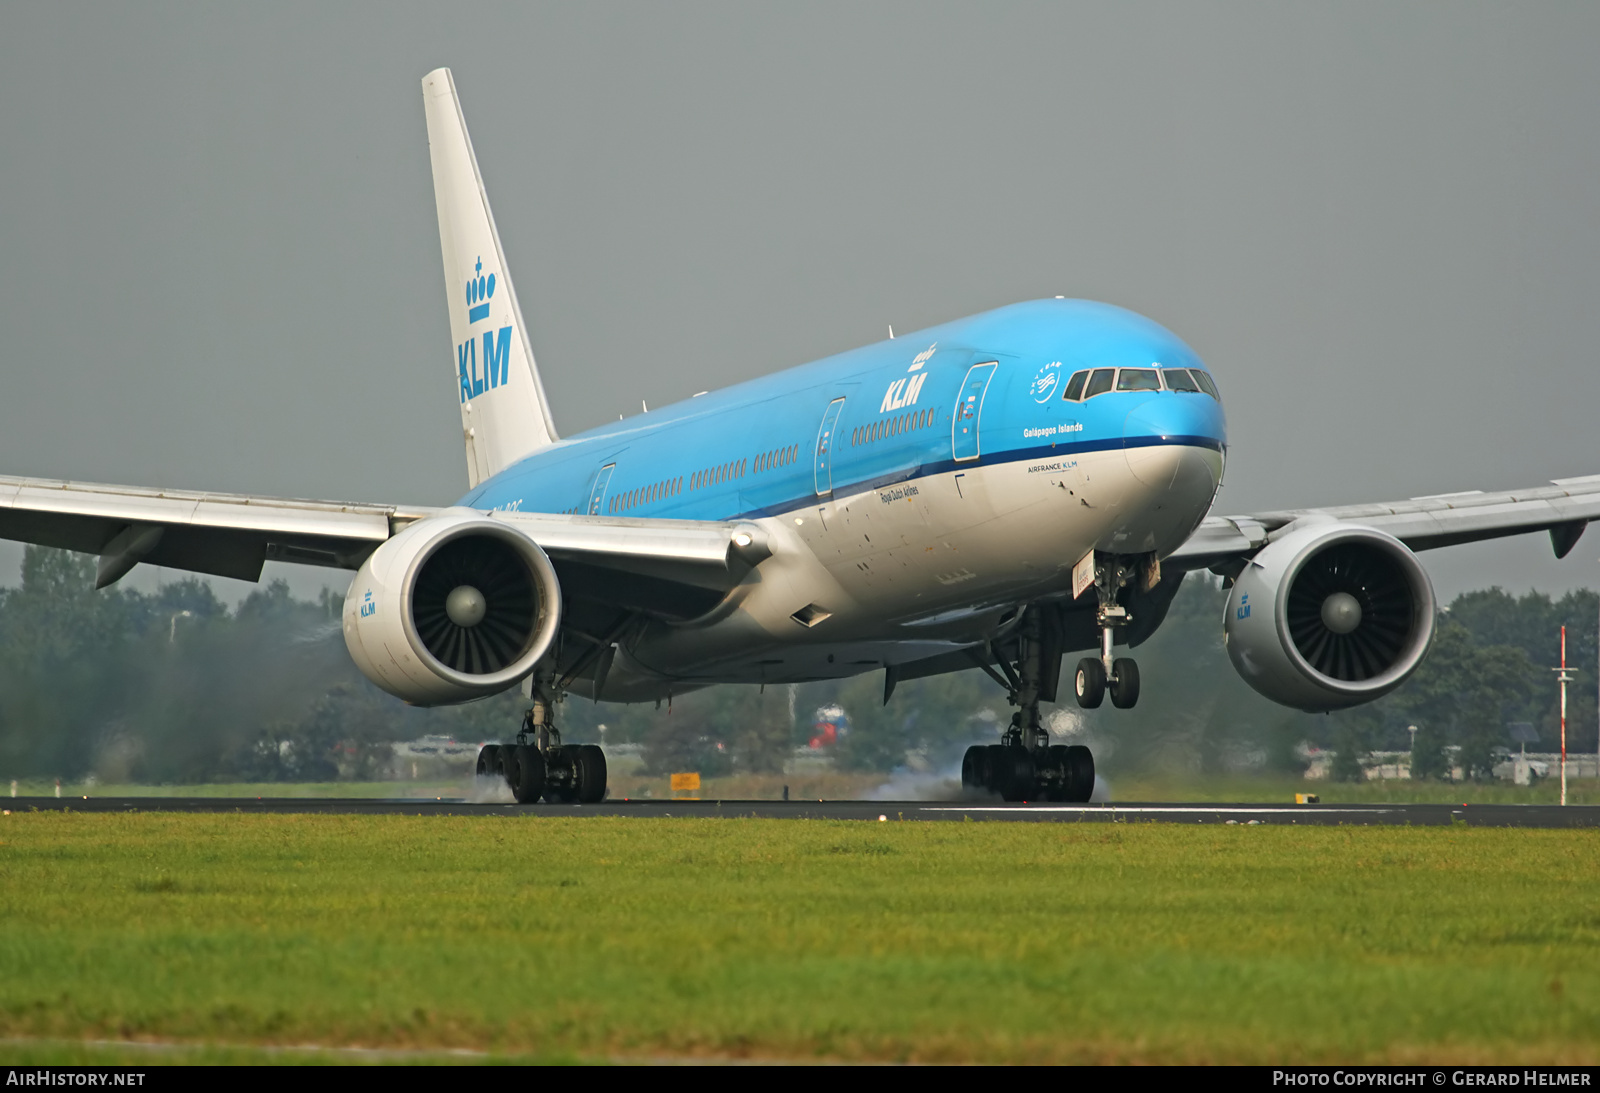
(1054, 773)
(539, 765)
(1025, 766)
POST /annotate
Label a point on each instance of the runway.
(1432, 815)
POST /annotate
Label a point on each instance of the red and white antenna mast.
(1565, 677)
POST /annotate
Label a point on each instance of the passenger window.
(1207, 384)
(1138, 379)
(1099, 382)
(1075, 386)
(1178, 380)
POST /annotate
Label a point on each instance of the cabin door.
(824, 453)
(969, 409)
(597, 496)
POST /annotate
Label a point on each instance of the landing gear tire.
(1012, 772)
(1089, 683)
(561, 783)
(1057, 788)
(589, 774)
(1016, 780)
(994, 765)
(1124, 684)
(972, 770)
(489, 765)
(1078, 780)
(1005, 770)
(525, 771)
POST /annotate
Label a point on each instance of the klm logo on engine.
(368, 608)
(1244, 606)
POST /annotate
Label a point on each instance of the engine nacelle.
(454, 607)
(1328, 616)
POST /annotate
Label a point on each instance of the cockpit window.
(1203, 378)
(1075, 386)
(1138, 379)
(1178, 379)
(1099, 382)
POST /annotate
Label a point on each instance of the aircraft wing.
(232, 535)
(1563, 508)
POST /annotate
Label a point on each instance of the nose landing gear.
(1092, 682)
(1118, 675)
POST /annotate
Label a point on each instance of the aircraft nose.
(1175, 441)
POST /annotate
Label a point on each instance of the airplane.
(992, 493)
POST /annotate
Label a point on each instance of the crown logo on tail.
(479, 291)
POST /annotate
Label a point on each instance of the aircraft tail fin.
(504, 412)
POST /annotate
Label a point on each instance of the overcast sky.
(219, 262)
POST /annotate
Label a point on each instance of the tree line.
(175, 686)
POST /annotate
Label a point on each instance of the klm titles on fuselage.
(496, 358)
(904, 391)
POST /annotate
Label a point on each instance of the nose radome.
(1169, 444)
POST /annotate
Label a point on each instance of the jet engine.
(452, 608)
(1330, 615)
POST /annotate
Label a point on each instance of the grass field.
(603, 939)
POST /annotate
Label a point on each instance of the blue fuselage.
(916, 406)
